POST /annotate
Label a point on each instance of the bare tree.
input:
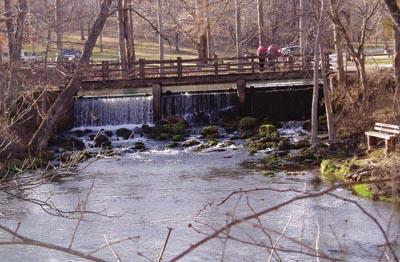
(64, 100)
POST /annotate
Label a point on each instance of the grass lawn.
(146, 50)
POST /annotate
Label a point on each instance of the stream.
(142, 194)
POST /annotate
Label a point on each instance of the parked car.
(30, 57)
(69, 54)
(290, 50)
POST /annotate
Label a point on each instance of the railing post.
(241, 93)
(253, 66)
(105, 70)
(216, 65)
(179, 68)
(157, 99)
(142, 72)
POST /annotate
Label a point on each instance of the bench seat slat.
(388, 126)
(386, 130)
(380, 135)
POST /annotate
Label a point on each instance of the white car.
(27, 57)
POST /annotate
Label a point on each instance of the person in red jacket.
(262, 56)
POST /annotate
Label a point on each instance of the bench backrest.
(388, 129)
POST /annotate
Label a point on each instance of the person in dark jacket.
(262, 56)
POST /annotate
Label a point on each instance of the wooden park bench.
(387, 132)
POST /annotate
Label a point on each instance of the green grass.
(143, 49)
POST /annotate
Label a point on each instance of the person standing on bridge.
(262, 55)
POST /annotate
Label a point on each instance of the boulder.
(191, 143)
(268, 131)
(138, 131)
(173, 145)
(248, 123)
(284, 144)
(125, 133)
(81, 133)
(178, 138)
(146, 129)
(176, 120)
(140, 146)
(109, 133)
(210, 132)
(101, 140)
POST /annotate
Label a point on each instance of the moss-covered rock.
(210, 132)
(173, 145)
(191, 143)
(269, 131)
(248, 123)
(178, 138)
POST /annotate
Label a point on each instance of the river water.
(144, 193)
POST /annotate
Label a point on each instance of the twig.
(165, 244)
(112, 251)
(280, 237)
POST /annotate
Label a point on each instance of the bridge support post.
(157, 96)
(241, 93)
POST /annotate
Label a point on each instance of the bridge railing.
(182, 68)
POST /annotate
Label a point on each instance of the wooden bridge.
(146, 73)
(156, 74)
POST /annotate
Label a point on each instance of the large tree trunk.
(396, 99)
(394, 10)
(261, 26)
(15, 28)
(65, 99)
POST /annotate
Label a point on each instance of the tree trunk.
(238, 31)
(362, 74)
(261, 27)
(315, 98)
(177, 42)
(339, 56)
(303, 36)
(396, 99)
(82, 29)
(121, 36)
(65, 99)
(132, 35)
(160, 30)
(328, 100)
(48, 44)
(59, 28)
(15, 28)
(202, 42)
(128, 34)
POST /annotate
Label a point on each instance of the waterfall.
(198, 107)
(113, 111)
